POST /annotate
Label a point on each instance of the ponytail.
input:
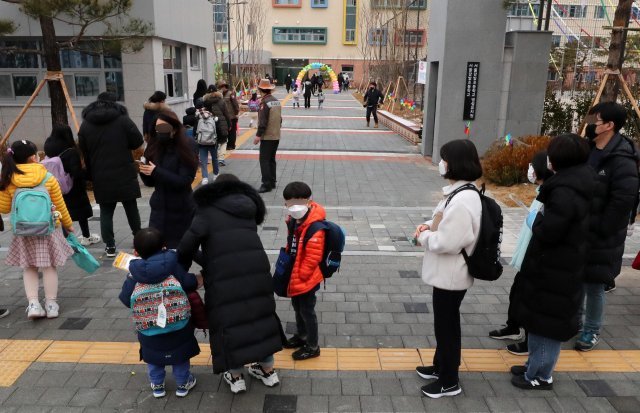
(19, 152)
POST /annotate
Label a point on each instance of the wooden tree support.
(49, 77)
(391, 105)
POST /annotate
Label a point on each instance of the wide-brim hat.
(266, 84)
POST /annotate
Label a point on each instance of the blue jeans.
(593, 308)
(204, 158)
(180, 372)
(266, 364)
(543, 356)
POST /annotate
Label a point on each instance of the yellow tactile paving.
(65, 352)
(357, 358)
(11, 371)
(24, 350)
(327, 361)
(607, 361)
(484, 360)
(106, 353)
(399, 358)
(4, 343)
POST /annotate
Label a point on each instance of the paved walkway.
(375, 315)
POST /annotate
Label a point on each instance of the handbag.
(81, 256)
(636, 262)
(282, 272)
(198, 313)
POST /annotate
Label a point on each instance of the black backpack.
(334, 241)
(484, 263)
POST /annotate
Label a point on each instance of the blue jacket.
(524, 237)
(171, 348)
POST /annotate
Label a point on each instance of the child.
(190, 121)
(174, 348)
(254, 107)
(296, 96)
(20, 169)
(305, 275)
(320, 99)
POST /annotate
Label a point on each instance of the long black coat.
(77, 200)
(238, 297)
(553, 267)
(106, 138)
(612, 207)
(171, 203)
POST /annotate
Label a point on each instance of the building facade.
(175, 56)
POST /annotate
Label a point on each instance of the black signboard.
(471, 91)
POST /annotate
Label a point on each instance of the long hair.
(63, 133)
(201, 87)
(19, 152)
(156, 150)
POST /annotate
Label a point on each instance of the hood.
(316, 213)
(156, 107)
(155, 268)
(213, 97)
(235, 198)
(101, 112)
(54, 146)
(33, 174)
(580, 178)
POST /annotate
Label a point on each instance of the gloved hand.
(531, 218)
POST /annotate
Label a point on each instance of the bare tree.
(616, 48)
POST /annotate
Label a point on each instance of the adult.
(372, 99)
(170, 169)
(61, 144)
(287, 82)
(268, 134)
(455, 226)
(314, 83)
(201, 90)
(241, 309)
(213, 106)
(340, 82)
(320, 83)
(615, 160)
(346, 81)
(152, 107)
(106, 138)
(233, 109)
(306, 92)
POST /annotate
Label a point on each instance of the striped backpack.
(147, 301)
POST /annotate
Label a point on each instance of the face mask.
(549, 167)
(163, 137)
(590, 131)
(531, 175)
(298, 211)
(442, 167)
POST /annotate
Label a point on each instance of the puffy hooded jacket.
(214, 103)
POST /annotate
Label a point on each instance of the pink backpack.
(54, 166)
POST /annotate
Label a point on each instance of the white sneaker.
(52, 309)
(35, 311)
(268, 379)
(251, 123)
(90, 240)
(237, 385)
(204, 181)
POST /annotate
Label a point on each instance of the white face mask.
(549, 166)
(442, 167)
(298, 211)
(531, 174)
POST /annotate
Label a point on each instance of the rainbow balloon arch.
(323, 69)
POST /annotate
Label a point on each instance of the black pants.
(268, 151)
(514, 296)
(446, 323)
(288, 88)
(306, 320)
(106, 219)
(307, 101)
(372, 110)
(84, 227)
(231, 140)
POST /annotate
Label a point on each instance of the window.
(286, 3)
(194, 57)
(524, 9)
(114, 84)
(15, 60)
(24, 85)
(305, 35)
(350, 21)
(172, 63)
(556, 40)
(220, 20)
(377, 37)
(319, 3)
(87, 85)
(5, 87)
(251, 29)
(635, 13)
(85, 58)
(577, 11)
(396, 4)
(411, 38)
(599, 12)
(560, 9)
(552, 75)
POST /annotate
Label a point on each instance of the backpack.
(484, 263)
(334, 240)
(254, 105)
(207, 134)
(146, 299)
(54, 165)
(32, 211)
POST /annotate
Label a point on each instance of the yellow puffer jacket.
(33, 174)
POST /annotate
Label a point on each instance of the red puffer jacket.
(306, 272)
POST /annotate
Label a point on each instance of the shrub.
(507, 165)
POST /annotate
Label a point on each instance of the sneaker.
(4, 312)
(435, 390)
(90, 240)
(183, 389)
(587, 341)
(158, 390)
(204, 181)
(110, 251)
(268, 379)
(507, 333)
(52, 309)
(35, 311)
(535, 384)
(519, 349)
(518, 370)
(251, 123)
(222, 163)
(237, 385)
(610, 287)
(294, 342)
(427, 372)
(306, 352)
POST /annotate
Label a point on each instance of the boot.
(376, 125)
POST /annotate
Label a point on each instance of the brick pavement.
(377, 301)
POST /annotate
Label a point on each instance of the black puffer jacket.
(613, 203)
(238, 286)
(77, 200)
(373, 97)
(106, 138)
(553, 267)
(214, 103)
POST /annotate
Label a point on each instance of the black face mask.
(163, 137)
(590, 131)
